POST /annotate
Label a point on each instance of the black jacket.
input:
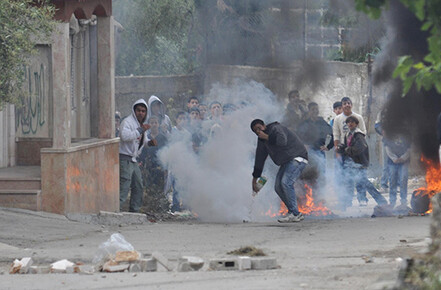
(358, 151)
(313, 133)
(282, 146)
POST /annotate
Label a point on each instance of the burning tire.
(420, 201)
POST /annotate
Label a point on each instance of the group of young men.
(304, 138)
(147, 130)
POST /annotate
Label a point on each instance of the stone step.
(22, 183)
(21, 198)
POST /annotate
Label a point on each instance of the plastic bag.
(114, 244)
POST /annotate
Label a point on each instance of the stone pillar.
(61, 86)
(106, 78)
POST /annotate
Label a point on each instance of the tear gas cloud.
(216, 183)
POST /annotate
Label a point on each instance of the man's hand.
(152, 142)
(255, 188)
(262, 135)
(145, 127)
(324, 148)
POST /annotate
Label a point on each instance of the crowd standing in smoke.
(302, 140)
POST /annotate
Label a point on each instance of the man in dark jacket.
(288, 152)
(316, 134)
(356, 155)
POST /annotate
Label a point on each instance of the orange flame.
(433, 180)
(306, 206)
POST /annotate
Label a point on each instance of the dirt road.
(342, 253)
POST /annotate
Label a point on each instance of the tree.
(426, 73)
(157, 37)
(22, 24)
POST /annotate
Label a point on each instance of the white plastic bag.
(114, 244)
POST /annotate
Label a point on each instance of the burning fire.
(433, 180)
(306, 206)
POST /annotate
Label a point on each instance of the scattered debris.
(367, 259)
(21, 266)
(118, 255)
(61, 266)
(247, 251)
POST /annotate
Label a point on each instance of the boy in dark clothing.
(317, 136)
(355, 152)
(288, 152)
(152, 171)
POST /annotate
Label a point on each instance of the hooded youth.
(163, 118)
(132, 136)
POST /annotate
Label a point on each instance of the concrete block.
(39, 270)
(263, 263)
(61, 266)
(148, 265)
(224, 264)
(184, 266)
(195, 263)
(162, 260)
(244, 263)
(21, 266)
(135, 268)
(86, 269)
(26, 263)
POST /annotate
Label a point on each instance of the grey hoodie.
(163, 118)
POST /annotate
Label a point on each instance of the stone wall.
(169, 89)
(337, 80)
(81, 179)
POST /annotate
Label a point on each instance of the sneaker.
(291, 218)
(363, 203)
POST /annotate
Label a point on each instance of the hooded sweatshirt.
(132, 136)
(163, 118)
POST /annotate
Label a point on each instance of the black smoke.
(415, 113)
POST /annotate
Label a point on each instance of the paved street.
(341, 253)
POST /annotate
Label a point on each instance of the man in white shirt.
(340, 127)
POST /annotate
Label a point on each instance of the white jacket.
(130, 136)
(163, 118)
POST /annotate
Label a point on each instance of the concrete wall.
(81, 179)
(338, 80)
(178, 88)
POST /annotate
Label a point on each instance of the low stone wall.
(81, 179)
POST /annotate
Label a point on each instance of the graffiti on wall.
(31, 114)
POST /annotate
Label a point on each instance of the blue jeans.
(284, 186)
(385, 175)
(399, 174)
(130, 178)
(350, 170)
(363, 184)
